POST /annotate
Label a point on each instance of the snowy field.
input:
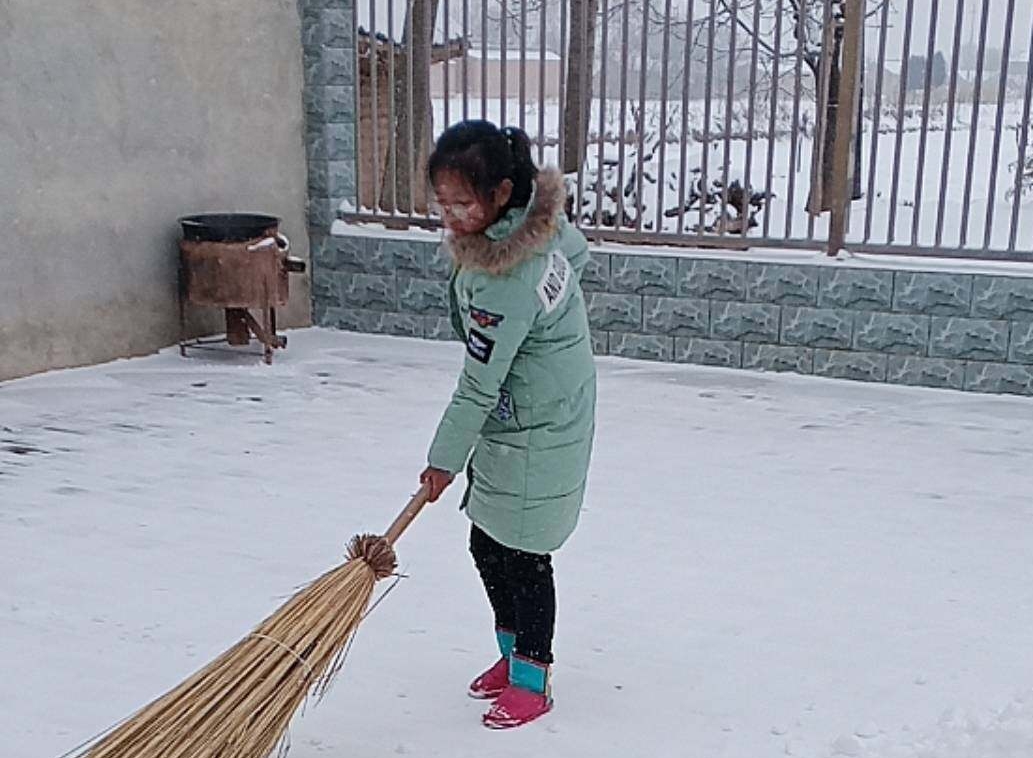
(786, 216)
(767, 565)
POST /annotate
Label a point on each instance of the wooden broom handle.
(408, 514)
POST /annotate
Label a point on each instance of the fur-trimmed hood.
(527, 238)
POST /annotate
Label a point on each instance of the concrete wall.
(117, 117)
(918, 323)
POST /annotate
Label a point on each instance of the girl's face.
(463, 210)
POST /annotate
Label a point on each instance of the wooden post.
(846, 119)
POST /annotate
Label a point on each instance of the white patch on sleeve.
(555, 281)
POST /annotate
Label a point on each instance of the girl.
(525, 402)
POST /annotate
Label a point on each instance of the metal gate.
(884, 126)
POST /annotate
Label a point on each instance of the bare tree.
(415, 114)
(584, 21)
(818, 41)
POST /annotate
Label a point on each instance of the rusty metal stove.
(239, 263)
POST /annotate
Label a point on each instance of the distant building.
(484, 74)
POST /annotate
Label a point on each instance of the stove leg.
(279, 341)
(269, 327)
(182, 312)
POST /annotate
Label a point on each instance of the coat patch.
(479, 346)
(554, 281)
(504, 408)
(485, 319)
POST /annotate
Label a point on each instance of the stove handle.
(283, 243)
(280, 241)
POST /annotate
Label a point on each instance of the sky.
(945, 26)
(920, 27)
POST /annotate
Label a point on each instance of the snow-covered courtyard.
(767, 565)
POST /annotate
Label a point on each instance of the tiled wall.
(328, 36)
(962, 331)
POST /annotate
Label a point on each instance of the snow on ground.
(767, 565)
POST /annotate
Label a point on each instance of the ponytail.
(524, 170)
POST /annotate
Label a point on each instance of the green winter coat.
(525, 402)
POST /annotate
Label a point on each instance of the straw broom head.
(240, 704)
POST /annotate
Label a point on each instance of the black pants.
(521, 592)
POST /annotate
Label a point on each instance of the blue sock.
(528, 675)
(506, 640)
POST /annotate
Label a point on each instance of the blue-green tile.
(677, 316)
(335, 28)
(760, 357)
(614, 313)
(313, 101)
(428, 297)
(926, 372)
(711, 279)
(855, 288)
(340, 143)
(312, 61)
(324, 286)
(316, 247)
(643, 274)
(311, 31)
(727, 353)
(932, 294)
(902, 333)
(438, 328)
(368, 291)
(374, 322)
(648, 347)
(357, 255)
(845, 364)
(320, 308)
(341, 178)
(318, 178)
(407, 257)
(1020, 345)
(318, 5)
(600, 342)
(817, 327)
(315, 148)
(969, 339)
(999, 297)
(782, 284)
(439, 261)
(999, 378)
(321, 212)
(596, 274)
(750, 322)
(334, 66)
(329, 105)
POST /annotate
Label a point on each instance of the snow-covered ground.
(767, 565)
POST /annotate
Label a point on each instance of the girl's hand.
(437, 479)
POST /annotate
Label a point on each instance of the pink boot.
(492, 682)
(528, 696)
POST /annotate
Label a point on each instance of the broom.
(240, 704)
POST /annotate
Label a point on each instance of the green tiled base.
(930, 329)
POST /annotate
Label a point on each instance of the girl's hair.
(486, 156)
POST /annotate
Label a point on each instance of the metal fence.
(885, 126)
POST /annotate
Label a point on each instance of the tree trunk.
(819, 198)
(580, 73)
(406, 172)
(858, 191)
